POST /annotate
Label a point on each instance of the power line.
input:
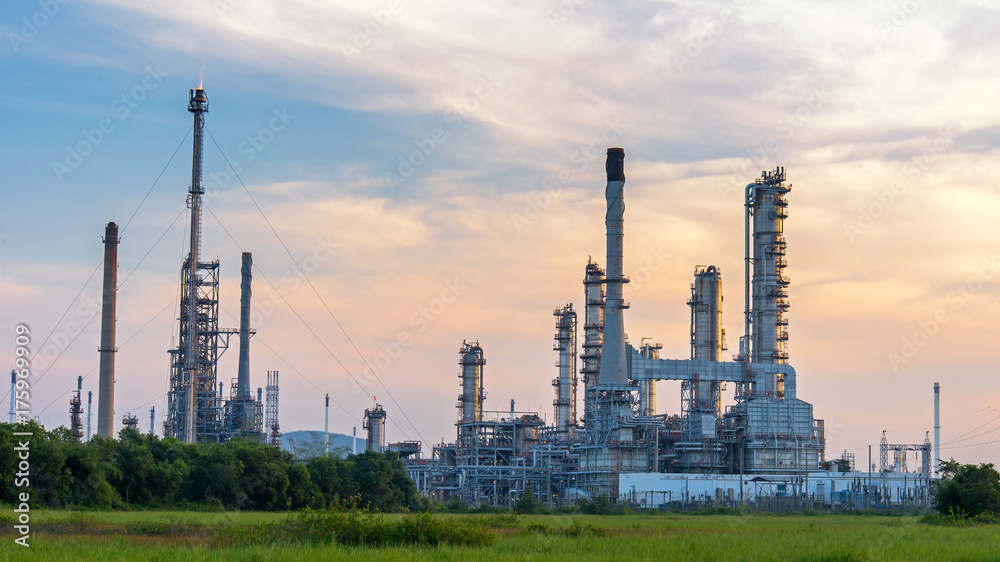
(56, 325)
(304, 323)
(972, 445)
(316, 292)
(155, 244)
(134, 213)
(123, 344)
(95, 315)
(100, 263)
(960, 437)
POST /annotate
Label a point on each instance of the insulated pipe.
(243, 376)
(106, 383)
(614, 369)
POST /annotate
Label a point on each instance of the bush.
(968, 491)
(527, 503)
(358, 528)
(599, 505)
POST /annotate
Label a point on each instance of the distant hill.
(309, 444)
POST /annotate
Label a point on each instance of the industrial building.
(622, 447)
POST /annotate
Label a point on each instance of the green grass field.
(191, 537)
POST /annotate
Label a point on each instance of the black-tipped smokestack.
(615, 164)
(106, 384)
(614, 369)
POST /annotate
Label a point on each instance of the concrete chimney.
(243, 375)
(106, 384)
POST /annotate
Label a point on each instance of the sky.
(412, 175)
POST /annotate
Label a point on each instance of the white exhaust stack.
(937, 429)
(13, 383)
(614, 369)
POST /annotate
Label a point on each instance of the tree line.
(142, 470)
(968, 490)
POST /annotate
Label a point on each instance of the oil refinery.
(607, 436)
(767, 444)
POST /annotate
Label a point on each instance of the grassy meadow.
(191, 536)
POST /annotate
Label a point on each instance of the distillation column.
(76, 410)
(565, 384)
(707, 343)
(647, 391)
(593, 324)
(470, 402)
(374, 422)
(766, 210)
(701, 399)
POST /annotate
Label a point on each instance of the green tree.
(968, 489)
(87, 467)
(333, 477)
(215, 475)
(133, 464)
(301, 490)
(527, 503)
(263, 479)
(382, 481)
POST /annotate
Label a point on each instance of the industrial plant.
(767, 444)
(616, 444)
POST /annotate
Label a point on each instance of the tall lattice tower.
(194, 403)
(271, 423)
